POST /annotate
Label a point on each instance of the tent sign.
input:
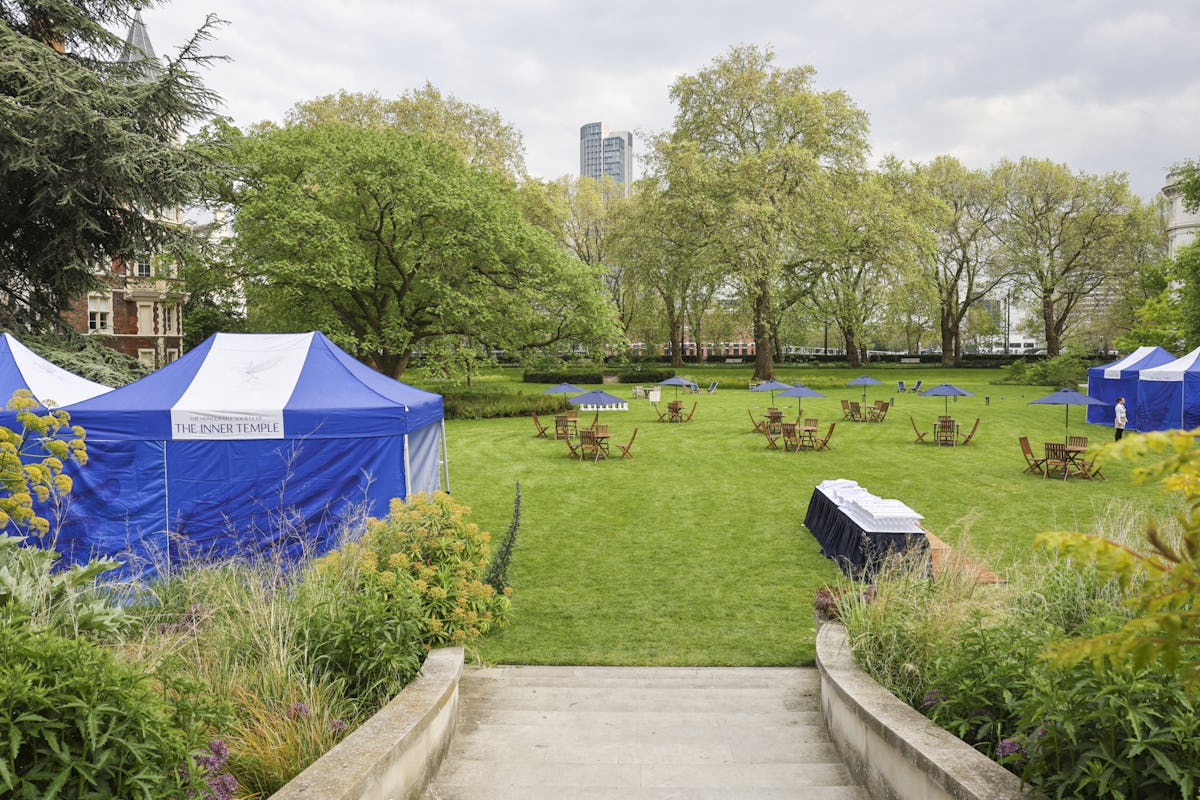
(230, 425)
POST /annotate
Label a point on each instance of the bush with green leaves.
(973, 659)
(490, 404)
(1064, 370)
(80, 724)
(425, 550)
(34, 594)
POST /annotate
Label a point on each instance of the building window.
(145, 319)
(142, 267)
(171, 316)
(99, 312)
(172, 354)
(146, 356)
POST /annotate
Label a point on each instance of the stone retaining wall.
(894, 751)
(395, 753)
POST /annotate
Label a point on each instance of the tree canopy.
(389, 241)
(90, 152)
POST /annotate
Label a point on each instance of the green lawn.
(694, 553)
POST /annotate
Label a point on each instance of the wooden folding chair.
(823, 444)
(1087, 468)
(970, 436)
(846, 410)
(541, 429)
(574, 448)
(662, 415)
(1077, 441)
(880, 412)
(856, 414)
(1036, 465)
(772, 430)
(1056, 460)
(920, 435)
(688, 417)
(625, 448)
(759, 424)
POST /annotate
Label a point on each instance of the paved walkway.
(594, 733)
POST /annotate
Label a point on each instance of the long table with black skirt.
(858, 550)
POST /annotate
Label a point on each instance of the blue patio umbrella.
(800, 390)
(1067, 397)
(864, 381)
(597, 397)
(946, 390)
(771, 386)
(677, 381)
(562, 388)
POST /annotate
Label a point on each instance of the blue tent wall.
(1168, 396)
(1125, 384)
(154, 501)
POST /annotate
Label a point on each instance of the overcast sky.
(1102, 85)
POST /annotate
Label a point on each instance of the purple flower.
(1008, 748)
(932, 698)
(297, 711)
(338, 725)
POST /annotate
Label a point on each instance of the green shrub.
(1115, 733)
(425, 549)
(67, 601)
(579, 374)
(645, 374)
(79, 724)
(490, 404)
(1065, 370)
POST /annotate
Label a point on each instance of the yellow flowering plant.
(31, 463)
(425, 549)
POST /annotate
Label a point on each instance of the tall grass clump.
(973, 658)
(290, 658)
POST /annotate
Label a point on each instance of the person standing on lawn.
(1120, 418)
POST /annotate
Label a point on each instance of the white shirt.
(1121, 417)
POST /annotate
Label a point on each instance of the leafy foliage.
(1164, 583)
(80, 724)
(484, 404)
(497, 571)
(386, 239)
(67, 601)
(1066, 370)
(426, 550)
(89, 149)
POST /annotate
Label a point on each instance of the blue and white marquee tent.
(250, 443)
(51, 385)
(1168, 396)
(1120, 379)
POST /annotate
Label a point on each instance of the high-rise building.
(603, 152)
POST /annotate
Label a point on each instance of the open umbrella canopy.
(562, 388)
(1067, 397)
(864, 381)
(800, 390)
(946, 390)
(598, 397)
(771, 386)
(677, 381)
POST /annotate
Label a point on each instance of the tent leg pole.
(445, 459)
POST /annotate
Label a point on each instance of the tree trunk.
(1053, 343)
(851, 349)
(764, 365)
(676, 342)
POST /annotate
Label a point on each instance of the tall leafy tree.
(479, 135)
(1064, 234)
(389, 240)
(964, 266)
(762, 142)
(90, 152)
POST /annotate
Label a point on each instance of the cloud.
(1103, 85)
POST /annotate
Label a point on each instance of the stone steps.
(601, 733)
